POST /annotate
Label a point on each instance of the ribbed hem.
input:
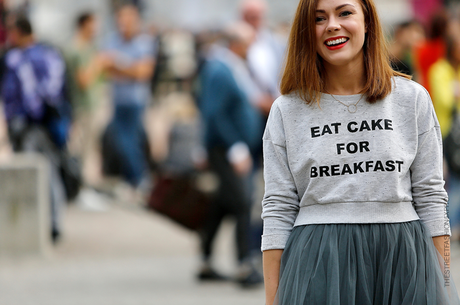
(356, 212)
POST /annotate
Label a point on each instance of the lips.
(335, 43)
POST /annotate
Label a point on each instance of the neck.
(237, 52)
(26, 42)
(345, 80)
(82, 37)
(127, 36)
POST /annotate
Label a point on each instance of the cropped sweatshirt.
(380, 164)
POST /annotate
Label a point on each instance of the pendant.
(352, 108)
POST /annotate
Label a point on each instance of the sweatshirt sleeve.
(428, 193)
(280, 204)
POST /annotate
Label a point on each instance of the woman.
(354, 204)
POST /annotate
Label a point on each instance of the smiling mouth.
(336, 42)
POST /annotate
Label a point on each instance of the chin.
(338, 62)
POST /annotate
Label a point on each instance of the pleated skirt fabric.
(363, 264)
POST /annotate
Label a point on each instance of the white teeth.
(336, 41)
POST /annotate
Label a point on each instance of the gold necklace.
(352, 108)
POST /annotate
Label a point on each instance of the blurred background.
(130, 142)
(194, 15)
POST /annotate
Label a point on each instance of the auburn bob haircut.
(304, 71)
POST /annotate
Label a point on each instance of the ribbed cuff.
(438, 227)
(274, 241)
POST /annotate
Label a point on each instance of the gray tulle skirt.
(365, 264)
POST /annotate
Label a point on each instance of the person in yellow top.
(444, 80)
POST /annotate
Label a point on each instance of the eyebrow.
(337, 8)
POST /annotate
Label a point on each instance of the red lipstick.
(337, 46)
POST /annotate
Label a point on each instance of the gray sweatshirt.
(381, 164)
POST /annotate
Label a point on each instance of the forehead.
(333, 4)
(90, 20)
(128, 11)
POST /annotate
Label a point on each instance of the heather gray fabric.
(363, 264)
(382, 164)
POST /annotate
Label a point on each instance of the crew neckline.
(351, 97)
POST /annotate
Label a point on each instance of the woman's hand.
(442, 244)
(272, 263)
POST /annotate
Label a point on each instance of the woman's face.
(340, 32)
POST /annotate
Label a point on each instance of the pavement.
(126, 256)
(122, 256)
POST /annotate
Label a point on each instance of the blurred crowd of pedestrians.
(432, 55)
(50, 96)
(430, 52)
(215, 90)
(217, 87)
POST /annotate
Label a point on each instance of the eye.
(345, 13)
(319, 19)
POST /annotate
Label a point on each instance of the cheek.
(318, 33)
(13, 38)
(318, 48)
(318, 41)
(360, 31)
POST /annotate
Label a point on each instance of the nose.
(333, 25)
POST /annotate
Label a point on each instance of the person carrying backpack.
(35, 108)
